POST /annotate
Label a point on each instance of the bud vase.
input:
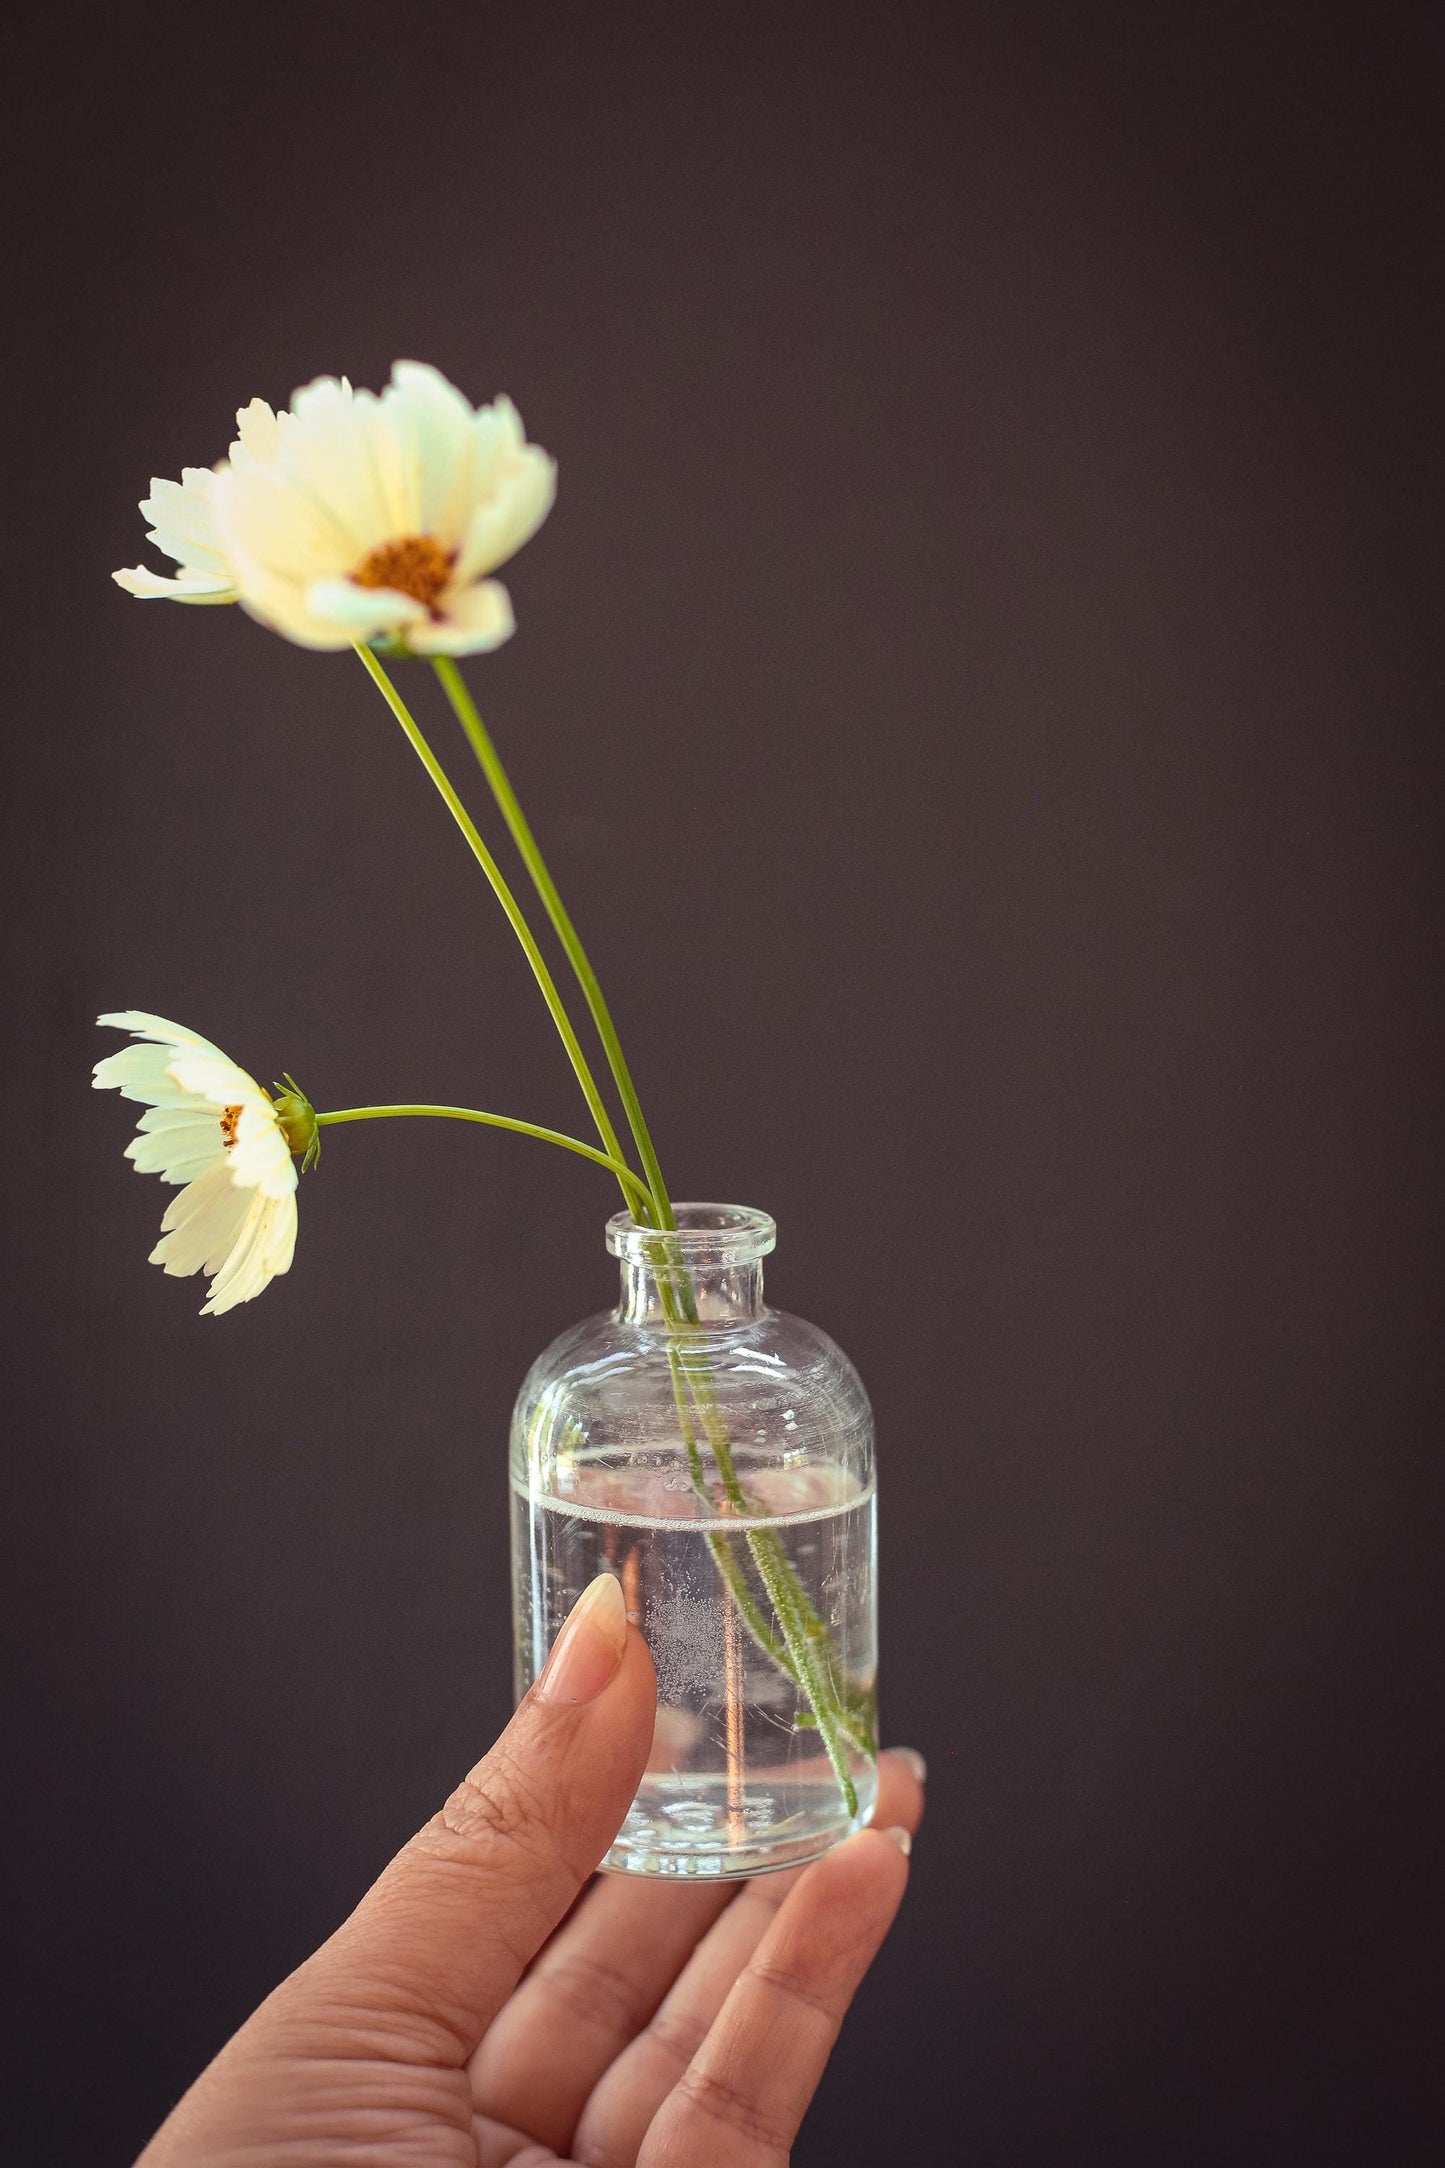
(717, 1456)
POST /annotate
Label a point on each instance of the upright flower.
(211, 1126)
(354, 518)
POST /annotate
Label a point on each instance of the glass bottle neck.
(727, 1294)
(707, 1270)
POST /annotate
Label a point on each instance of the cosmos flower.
(354, 518)
(212, 1127)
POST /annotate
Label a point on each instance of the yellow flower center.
(230, 1120)
(417, 565)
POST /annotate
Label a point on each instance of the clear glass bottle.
(718, 1457)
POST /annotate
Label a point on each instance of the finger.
(591, 1991)
(629, 2093)
(743, 2095)
(438, 1944)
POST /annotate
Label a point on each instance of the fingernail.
(911, 1759)
(589, 1648)
(902, 1839)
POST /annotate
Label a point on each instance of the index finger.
(438, 1944)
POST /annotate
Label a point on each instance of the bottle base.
(681, 1829)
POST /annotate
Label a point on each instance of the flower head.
(212, 1127)
(355, 518)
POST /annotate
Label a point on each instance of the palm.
(656, 2026)
(592, 2058)
(603, 2028)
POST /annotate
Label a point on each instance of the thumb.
(441, 1939)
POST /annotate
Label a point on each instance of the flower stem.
(507, 900)
(724, 1557)
(479, 738)
(805, 1639)
(633, 1186)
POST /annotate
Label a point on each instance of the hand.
(666, 2025)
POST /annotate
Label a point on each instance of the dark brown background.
(978, 688)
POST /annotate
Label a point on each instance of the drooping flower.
(212, 1127)
(355, 518)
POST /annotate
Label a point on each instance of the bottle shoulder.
(780, 1388)
(769, 1350)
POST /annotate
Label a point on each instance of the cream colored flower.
(354, 518)
(212, 1127)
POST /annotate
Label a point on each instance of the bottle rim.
(707, 1236)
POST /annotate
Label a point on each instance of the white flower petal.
(281, 1227)
(342, 454)
(268, 1251)
(150, 586)
(473, 620)
(512, 506)
(142, 1025)
(139, 1072)
(243, 1273)
(183, 520)
(212, 1076)
(202, 1224)
(177, 1143)
(362, 612)
(280, 605)
(130, 1074)
(160, 1121)
(172, 1163)
(436, 426)
(184, 526)
(267, 526)
(500, 427)
(260, 1156)
(258, 435)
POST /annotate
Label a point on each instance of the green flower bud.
(296, 1120)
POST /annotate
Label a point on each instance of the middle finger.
(591, 1990)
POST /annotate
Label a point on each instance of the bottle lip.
(708, 1235)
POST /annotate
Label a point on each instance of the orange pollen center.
(417, 566)
(230, 1120)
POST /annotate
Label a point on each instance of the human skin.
(472, 2012)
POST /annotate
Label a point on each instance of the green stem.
(724, 1557)
(635, 1189)
(467, 714)
(800, 1624)
(508, 902)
